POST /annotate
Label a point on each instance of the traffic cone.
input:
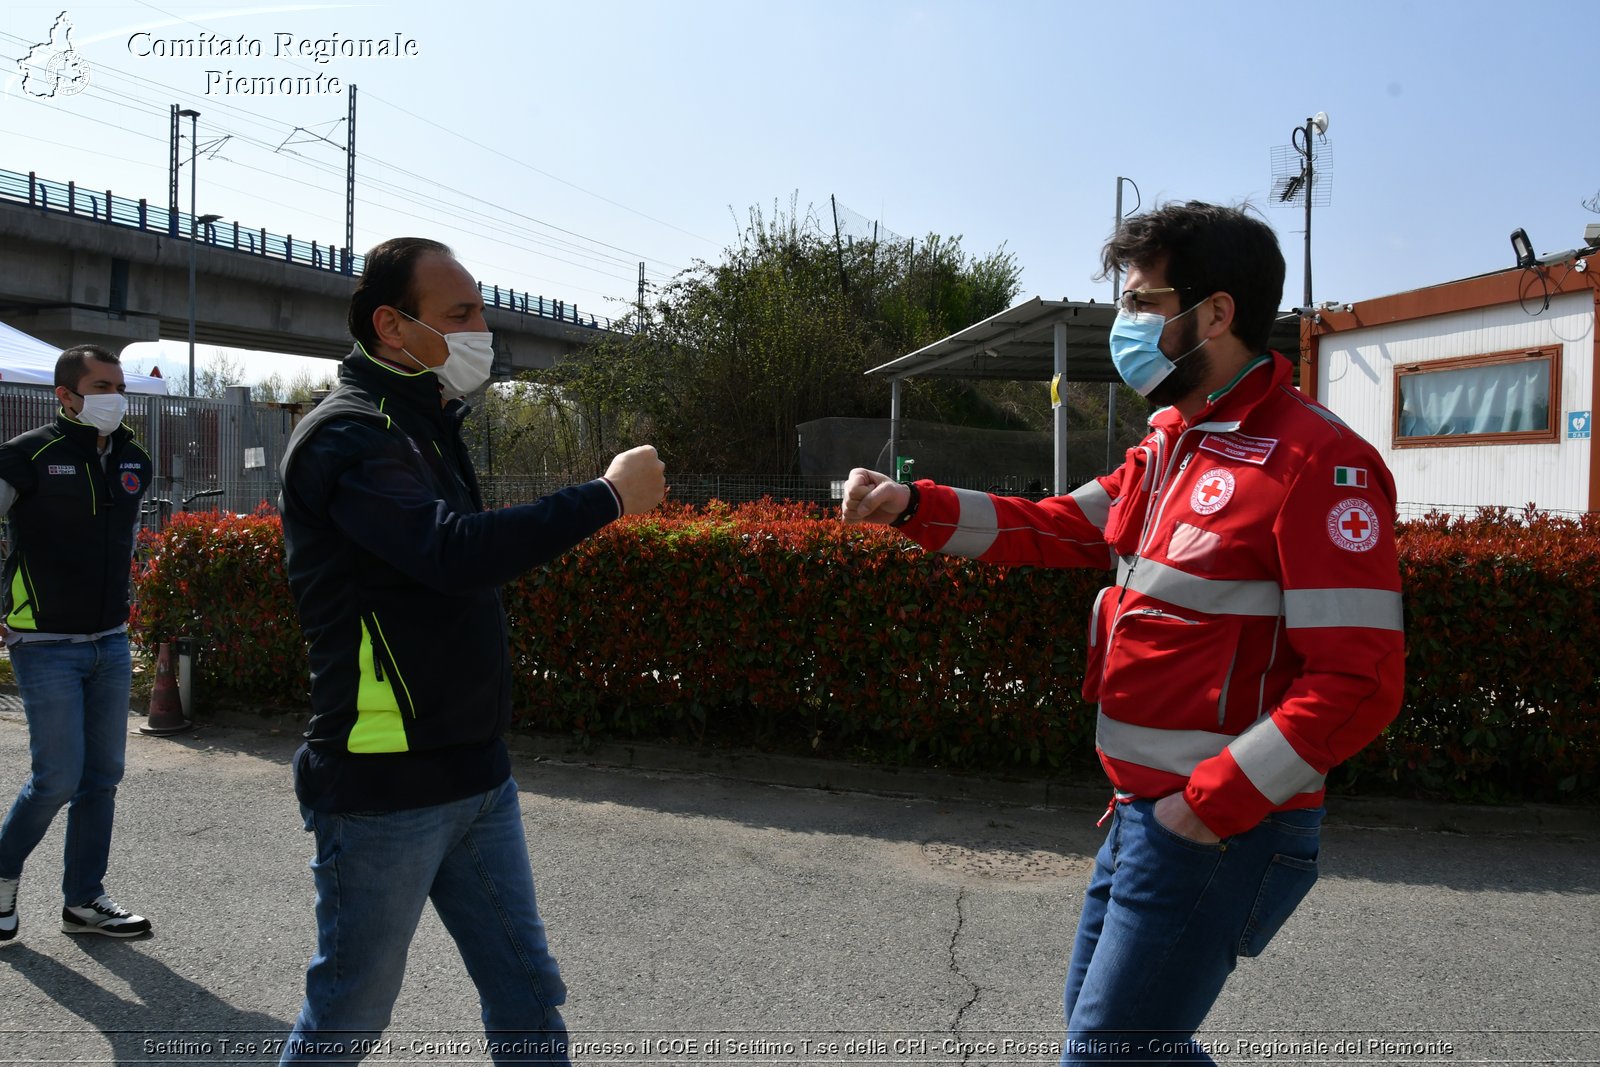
(166, 709)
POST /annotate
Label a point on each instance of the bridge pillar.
(65, 327)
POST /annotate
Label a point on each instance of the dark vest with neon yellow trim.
(410, 686)
(73, 527)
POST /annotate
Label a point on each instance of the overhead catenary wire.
(530, 229)
(460, 136)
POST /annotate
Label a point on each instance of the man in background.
(71, 489)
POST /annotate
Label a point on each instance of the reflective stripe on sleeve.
(976, 525)
(1215, 596)
(1094, 502)
(1271, 763)
(1175, 751)
(1377, 609)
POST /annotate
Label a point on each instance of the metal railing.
(112, 210)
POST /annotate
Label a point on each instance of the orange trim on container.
(1509, 286)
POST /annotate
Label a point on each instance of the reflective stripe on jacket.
(1253, 638)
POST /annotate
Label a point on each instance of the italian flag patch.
(1352, 476)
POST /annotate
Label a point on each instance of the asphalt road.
(710, 920)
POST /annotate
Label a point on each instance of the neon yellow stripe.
(21, 617)
(378, 725)
(390, 367)
(47, 444)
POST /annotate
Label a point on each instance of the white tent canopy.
(30, 361)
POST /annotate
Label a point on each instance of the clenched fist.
(638, 476)
(873, 497)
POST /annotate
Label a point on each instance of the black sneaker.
(102, 915)
(8, 910)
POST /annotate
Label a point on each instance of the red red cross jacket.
(1253, 639)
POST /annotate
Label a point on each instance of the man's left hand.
(1173, 812)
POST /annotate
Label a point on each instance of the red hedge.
(1502, 633)
(762, 625)
(220, 578)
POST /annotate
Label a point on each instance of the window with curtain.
(1500, 398)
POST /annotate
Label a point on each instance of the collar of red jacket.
(1235, 400)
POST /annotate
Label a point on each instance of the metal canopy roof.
(1019, 345)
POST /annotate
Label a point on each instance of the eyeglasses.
(1131, 298)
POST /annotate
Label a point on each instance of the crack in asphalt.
(955, 969)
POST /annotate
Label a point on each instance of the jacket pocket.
(438, 666)
(383, 701)
(1125, 517)
(1178, 661)
(1099, 638)
(21, 615)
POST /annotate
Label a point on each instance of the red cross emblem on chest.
(1213, 489)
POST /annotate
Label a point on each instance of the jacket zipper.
(381, 656)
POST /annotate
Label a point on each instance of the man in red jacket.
(1251, 642)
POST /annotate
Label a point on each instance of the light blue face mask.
(1136, 348)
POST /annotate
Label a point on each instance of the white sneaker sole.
(73, 928)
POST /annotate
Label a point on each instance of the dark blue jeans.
(373, 875)
(1165, 920)
(75, 697)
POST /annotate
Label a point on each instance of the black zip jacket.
(396, 571)
(73, 525)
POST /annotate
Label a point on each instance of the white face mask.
(469, 362)
(103, 411)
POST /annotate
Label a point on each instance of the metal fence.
(223, 455)
(1409, 510)
(209, 454)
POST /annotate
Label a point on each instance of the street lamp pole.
(193, 117)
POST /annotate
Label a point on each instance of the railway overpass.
(90, 267)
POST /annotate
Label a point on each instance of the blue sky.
(556, 145)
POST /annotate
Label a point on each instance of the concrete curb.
(1379, 813)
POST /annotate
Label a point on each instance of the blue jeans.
(1165, 920)
(75, 697)
(373, 874)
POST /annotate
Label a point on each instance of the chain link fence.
(213, 454)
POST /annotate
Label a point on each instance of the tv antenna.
(1300, 173)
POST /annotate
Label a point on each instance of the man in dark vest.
(396, 570)
(71, 489)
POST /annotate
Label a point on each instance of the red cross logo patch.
(1211, 491)
(1353, 524)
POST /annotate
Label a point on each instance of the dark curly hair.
(1208, 249)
